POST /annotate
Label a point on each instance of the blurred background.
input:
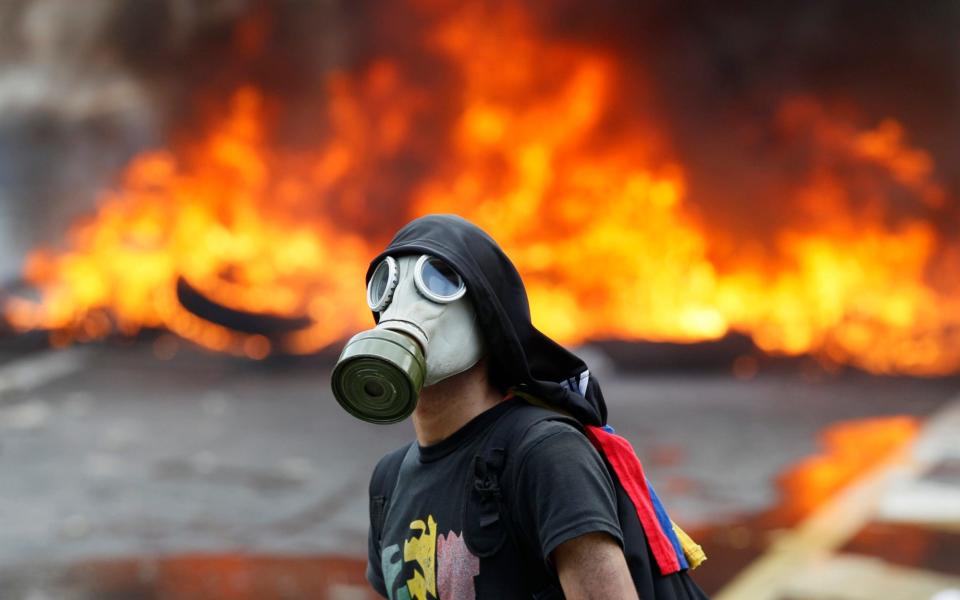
(746, 218)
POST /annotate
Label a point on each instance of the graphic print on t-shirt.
(442, 566)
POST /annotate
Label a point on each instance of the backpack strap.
(382, 485)
(484, 510)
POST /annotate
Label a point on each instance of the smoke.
(69, 118)
(85, 85)
(724, 73)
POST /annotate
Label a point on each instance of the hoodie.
(521, 357)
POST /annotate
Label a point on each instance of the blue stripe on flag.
(667, 527)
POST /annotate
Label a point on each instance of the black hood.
(520, 356)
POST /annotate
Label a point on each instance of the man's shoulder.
(543, 430)
(387, 469)
(546, 431)
(394, 455)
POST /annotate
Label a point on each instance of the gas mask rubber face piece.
(427, 332)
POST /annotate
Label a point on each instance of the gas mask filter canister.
(427, 332)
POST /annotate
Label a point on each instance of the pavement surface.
(893, 534)
(124, 476)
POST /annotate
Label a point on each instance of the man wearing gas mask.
(514, 487)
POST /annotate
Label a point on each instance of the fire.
(215, 224)
(227, 576)
(849, 449)
(578, 184)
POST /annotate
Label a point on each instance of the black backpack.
(486, 526)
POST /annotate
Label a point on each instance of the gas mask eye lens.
(382, 283)
(438, 281)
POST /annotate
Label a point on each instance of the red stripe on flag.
(629, 471)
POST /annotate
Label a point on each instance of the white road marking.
(863, 578)
(813, 540)
(35, 370)
(927, 500)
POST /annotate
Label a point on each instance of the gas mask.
(427, 332)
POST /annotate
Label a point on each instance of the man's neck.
(448, 405)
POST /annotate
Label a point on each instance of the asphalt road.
(107, 452)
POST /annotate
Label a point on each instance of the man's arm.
(592, 567)
(567, 507)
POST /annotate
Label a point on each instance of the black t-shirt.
(562, 490)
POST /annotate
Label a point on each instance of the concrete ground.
(124, 476)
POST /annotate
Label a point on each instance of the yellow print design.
(423, 551)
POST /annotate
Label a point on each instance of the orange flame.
(849, 450)
(230, 577)
(214, 223)
(542, 156)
